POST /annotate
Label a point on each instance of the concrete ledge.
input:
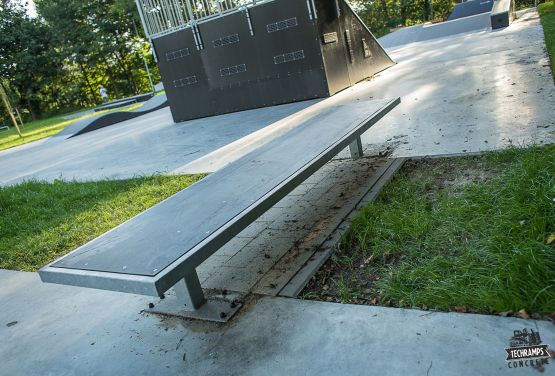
(60, 330)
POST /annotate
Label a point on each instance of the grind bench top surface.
(230, 198)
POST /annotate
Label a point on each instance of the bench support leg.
(188, 301)
(188, 290)
(356, 148)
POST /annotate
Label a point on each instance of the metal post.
(356, 148)
(189, 291)
(219, 6)
(148, 74)
(180, 18)
(249, 22)
(142, 16)
(190, 11)
(143, 56)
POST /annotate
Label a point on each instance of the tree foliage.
(383, 15)
(58, 60)
(27, 56)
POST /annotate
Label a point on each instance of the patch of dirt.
(449, 174)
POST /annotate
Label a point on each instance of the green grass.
(463, 233)
(39, 129)
(547, 15)
(42, 221)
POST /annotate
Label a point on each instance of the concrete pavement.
(61, 330)
(464, 93)
(143, 146)
(458, 93)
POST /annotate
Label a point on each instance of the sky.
(30, 7)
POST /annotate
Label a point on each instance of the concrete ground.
(62, 330)
(469, 92)
(460, 94)
(464, 93)
(143, 146)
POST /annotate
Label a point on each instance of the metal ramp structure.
(470, 8)
(93, 123)
(224, 56)
(467, 17)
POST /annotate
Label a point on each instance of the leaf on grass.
(523, 314)
(506, 313)
(460, 309)
(369, 260)
(551, 239)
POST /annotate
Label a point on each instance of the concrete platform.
(61, 330)
(146, 145)
(463, 93)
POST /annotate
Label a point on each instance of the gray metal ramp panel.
(110, 106)
(471, 8)
(154, 103)
(104, 120)
(405, 35)
(424, 32)
(135, 98)
(152, 251)
(479, 22)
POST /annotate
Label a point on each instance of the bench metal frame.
(181, 274)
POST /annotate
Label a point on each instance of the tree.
(27, 58)
(97, 39)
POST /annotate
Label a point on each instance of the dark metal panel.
(334, 49)
(470, 8)
(282, 55)
(369, 57)
(193, 223)
(179, 61)
(356, 55)
(295, 70)
(236, 70)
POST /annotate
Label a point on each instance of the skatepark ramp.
(470, 16)
(124, 102)
(100, 121)
(471, 8)
(422, 32)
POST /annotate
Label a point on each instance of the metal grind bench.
(161, 247)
